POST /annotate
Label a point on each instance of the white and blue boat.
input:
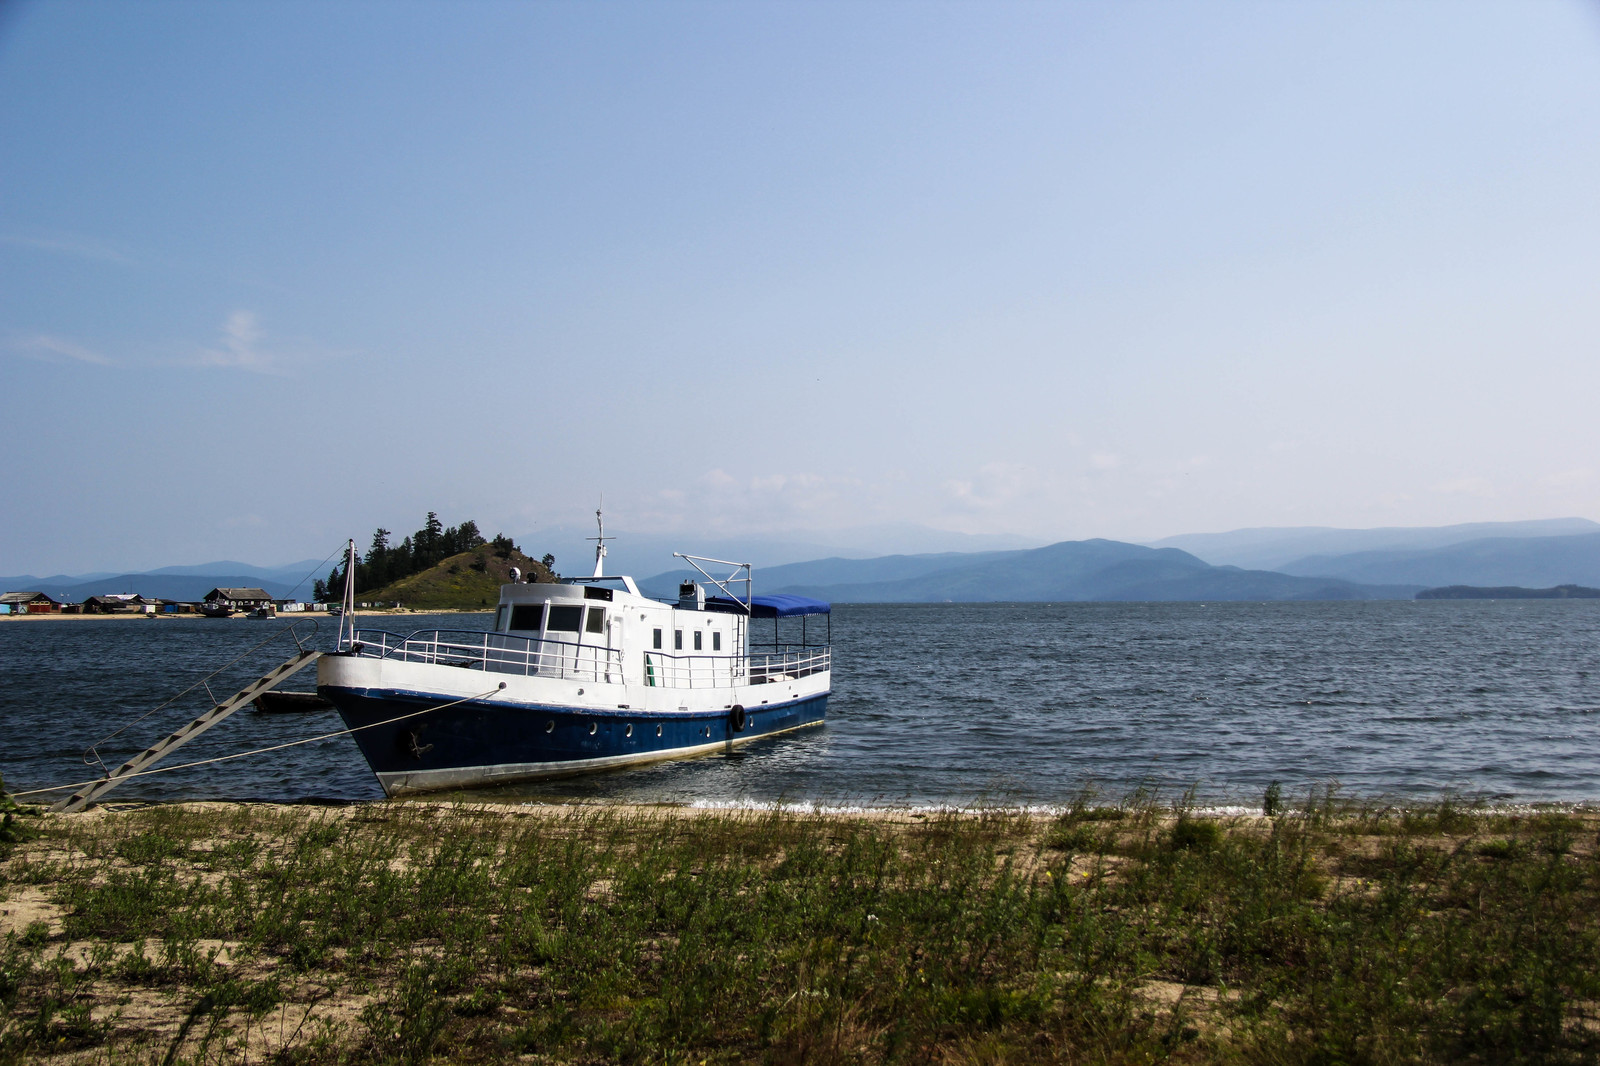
(586, 674)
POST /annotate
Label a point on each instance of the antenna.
(600, 543)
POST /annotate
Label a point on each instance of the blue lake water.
(945, 704)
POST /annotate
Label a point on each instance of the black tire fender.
(737, 718)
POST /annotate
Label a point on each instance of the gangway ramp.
(147, 758)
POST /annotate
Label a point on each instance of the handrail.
(551, 657)
(495, 652)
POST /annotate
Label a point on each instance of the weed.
(1272, 800)
(1440, 933)
(1195, 834)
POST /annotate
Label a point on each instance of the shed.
(30, 602)
(239, 599)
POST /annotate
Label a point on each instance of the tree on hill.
(384, 564)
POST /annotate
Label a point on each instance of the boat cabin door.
(598, 622)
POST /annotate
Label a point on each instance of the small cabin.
(29, 603)
(239, 599)
(121, 603)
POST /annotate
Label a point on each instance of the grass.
(469, 582)
(407, 933)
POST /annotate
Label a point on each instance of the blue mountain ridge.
(1531, 562)
(1069, 571)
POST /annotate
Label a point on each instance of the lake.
(940, 704)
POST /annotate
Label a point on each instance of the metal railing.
(504, 653)
(499, 653)
(662, 670)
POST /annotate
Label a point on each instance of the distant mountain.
(1474, 592)
(179, 581)
(1069, 571)
(170, 587)
(1533, 562)
(1273, 548)
(648, 553)
(833, 571)
(290, 572)
(30, 582)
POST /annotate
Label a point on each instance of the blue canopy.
(778, 605)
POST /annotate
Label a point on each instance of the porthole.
(549, 727)
(658, 731)
(628, 732)
(593, 727)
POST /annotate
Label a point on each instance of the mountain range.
(176, 582)
(1069, 571)
(1282, 548)
(1307, 563)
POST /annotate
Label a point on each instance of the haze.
(275, 274)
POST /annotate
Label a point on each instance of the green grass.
(469, 582)
(405, 932)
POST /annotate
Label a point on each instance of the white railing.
(503, 653)
(499, 653)
(662, 670)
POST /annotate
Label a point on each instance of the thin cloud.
(1465, 486)
(992, 485)
(75, 247)
(241, 337)
(242, 346)
(51, 349)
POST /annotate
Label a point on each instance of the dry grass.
(407, 932)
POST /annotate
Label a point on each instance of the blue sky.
(274, 274)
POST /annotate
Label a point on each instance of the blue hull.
(483, 742)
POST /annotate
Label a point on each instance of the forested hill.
(386, 564)
(467, 581)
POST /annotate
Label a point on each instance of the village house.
(120, 603)
(29, 603)
(239, 599)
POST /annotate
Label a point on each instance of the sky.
(274, 274)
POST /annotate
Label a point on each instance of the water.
(951, 704)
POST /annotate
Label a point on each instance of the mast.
(600, 545)
(347, 615)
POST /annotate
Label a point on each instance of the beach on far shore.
(286, 616)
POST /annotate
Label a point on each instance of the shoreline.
(286, 616)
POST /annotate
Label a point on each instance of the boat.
(216, 610)
(581, 675)
(276, 701)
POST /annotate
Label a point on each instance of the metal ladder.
(89, 793)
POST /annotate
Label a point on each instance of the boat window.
(657, 639)
(565, 617)
(697, 640)
(716, 642)
(677, 640)
(500, 617)
(527, 616)
(597, 620)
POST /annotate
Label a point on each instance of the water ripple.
(954, 703)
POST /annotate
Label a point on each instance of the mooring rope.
(317, 569)
(92, 749)
(263, 751)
